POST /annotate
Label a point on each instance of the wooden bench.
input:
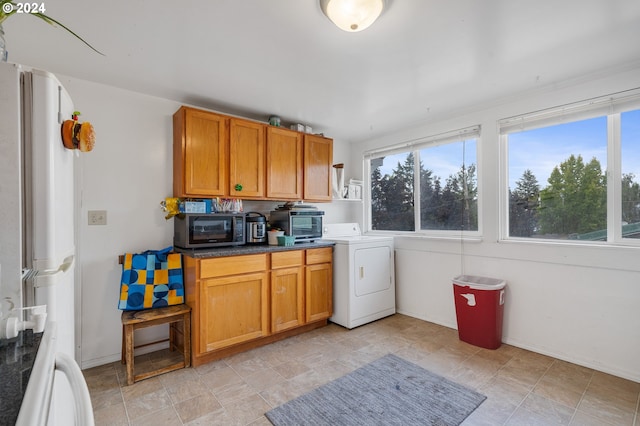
(179, 319)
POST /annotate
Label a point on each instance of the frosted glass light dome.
(352, 15)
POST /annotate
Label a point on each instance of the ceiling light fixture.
(352, 15)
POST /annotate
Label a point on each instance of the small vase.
(337, 181)
(3, 46)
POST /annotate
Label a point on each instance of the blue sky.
(443, 160)
(540, 150)
(631, 143)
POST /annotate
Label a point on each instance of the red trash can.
(479, 310)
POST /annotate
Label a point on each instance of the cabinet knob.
(238, 187)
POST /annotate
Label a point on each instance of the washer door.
(372, 270)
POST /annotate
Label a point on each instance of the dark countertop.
(16, 361)
(250, 249)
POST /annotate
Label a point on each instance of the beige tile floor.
(523, 388)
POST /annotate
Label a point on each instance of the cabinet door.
(373, 270)
(246, 159)
(319, 295)
(284, 164)
(287, 298)
(318, 159)
(234, 309)
(200, 153)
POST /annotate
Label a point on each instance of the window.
(564, 171)
(392, 200)
(451, 203)
(442, 168)
(557, 185)
(630, 188)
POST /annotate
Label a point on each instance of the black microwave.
(196, 230)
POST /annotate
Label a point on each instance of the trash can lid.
(479, 283)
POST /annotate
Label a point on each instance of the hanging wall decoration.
(77, 135)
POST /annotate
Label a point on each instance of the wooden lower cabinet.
(287, 298)
(241, 302)
(287, 290)
(318, 292)
(319, 284)
(241, 297)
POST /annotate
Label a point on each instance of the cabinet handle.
(238, 187)
(361, 272)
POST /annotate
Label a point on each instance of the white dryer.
(363, 275)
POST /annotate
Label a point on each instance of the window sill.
(430, 237)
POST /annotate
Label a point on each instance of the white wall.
(127, 174)
(577, 303)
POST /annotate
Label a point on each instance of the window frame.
(414, 146)
(609, 106)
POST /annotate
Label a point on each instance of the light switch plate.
(97, 217)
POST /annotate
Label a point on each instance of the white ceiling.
(421, 59)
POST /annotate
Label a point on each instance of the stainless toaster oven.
(304, 224)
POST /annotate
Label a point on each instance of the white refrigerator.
(37, 220)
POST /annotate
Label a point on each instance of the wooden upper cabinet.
(318, 159)
(246, 159)
(284, 164)
(216, 155)
(200, 153)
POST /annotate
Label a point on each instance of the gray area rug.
(388, 391)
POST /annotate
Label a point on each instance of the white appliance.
(364, 287)
(37, 227)
(42, 389)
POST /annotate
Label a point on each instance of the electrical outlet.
(97, 217)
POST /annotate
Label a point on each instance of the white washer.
(364, 287)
